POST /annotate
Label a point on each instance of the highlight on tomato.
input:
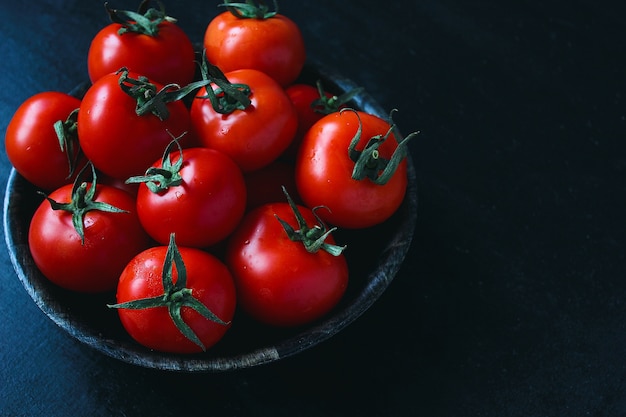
(176, 299)
(147, 42)
(83, 234)
(288, 271)
(250, 35)
(197, 193)
(41, 140)
(352, 163)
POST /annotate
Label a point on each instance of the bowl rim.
(387, 266)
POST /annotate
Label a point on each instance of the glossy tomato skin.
(208, 278)
(274, 46)
(31, 143)
(167, 57)
(111, 240)
(324, 172)
(253, 137)
(118, 141)
(204, 209)
(278, 282)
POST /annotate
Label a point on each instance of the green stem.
(250, 9)
(145, 21)
(67, 134)
(159, 179)
(82, 202)
(312, 237)
(368, 163)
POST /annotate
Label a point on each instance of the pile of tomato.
(194, 183)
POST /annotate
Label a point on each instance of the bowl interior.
(373, 265)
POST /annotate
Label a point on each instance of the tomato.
(271, 43)
(187, 285)
(160, 50)
(32, 145)
(202, 203)
(253, 137)
(94, 262)
(265, 185)
(278, 281)
(324, 170)
(117, 140)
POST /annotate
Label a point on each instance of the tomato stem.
(250, 9)
(327, 105)
(145, 21)
(82, 202)
(67, 134)
(368, 163)
(312, 237)
(151, 100)
(227, 97)
(159, 179)
(175, 295)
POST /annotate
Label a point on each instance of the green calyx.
(149, 99)
(67, 134)
(368, 163)
(327, 105)
(175, 296)
(251, 9)
(82, 202)
(312, 237)
(159, 179)
(226, 97)
(145, 21)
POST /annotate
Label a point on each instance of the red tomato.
(110, 241)
(203, 207)
(265, 185)
(163, 52)
(119, 142)
(32, 145)
(253, 137)
(324, 172)
(278, 281)
(303, 96)
(273, 45)
(207, 280)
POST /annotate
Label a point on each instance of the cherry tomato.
(161, 50)
(204, 204)
(207, 280)
(32, 145)
(110, 239)
(324, 170)
(117, 140)
(271, 43)
(278, 281)
(253, 137)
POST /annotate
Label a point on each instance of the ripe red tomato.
(33, 147)
(117, 140)
(204, 204)
(162, 51)
(324, 171)
(111, 239)
(278, 281)
(253, 137)
(272, 44)
(206, 279)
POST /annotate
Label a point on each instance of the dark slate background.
(511, 301)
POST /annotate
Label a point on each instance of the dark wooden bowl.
(247, 344)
